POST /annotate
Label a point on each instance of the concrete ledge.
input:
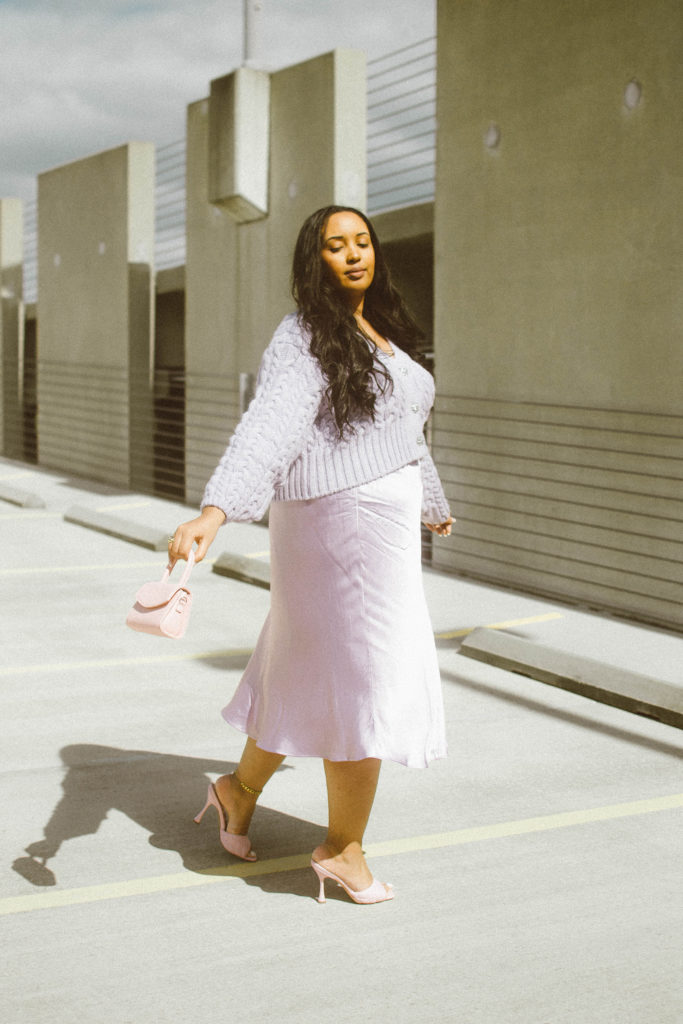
(27, 499)
(247, 570)
(618, 687)
(113, 526)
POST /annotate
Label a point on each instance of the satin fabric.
(345, 666)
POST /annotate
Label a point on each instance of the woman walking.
(345, 667)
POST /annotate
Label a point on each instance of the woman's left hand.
(443, 529)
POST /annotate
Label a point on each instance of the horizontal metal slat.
(504, 502)
(552, 490)
(576, 548)
(608, 480)
(640, 606)
(660, 466)
(455, 427)
(567, 415)
(587, 574)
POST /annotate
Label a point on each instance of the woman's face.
(348, 253)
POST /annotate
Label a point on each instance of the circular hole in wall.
(492, 136)
(633, 94)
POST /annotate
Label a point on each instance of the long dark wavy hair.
(353, 374)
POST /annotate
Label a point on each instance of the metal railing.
(31, 251)
(401, 127)
(401, 138)
(169, 241)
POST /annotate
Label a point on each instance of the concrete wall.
(237, 277)
(11, 327)
(95, 315)
(559, 262)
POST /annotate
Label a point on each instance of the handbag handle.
(186, 573)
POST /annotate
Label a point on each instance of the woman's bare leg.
(255, 769)
(351, 787)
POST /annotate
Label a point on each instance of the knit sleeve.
(435, 507)
(272, 431)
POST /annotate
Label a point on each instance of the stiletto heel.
(238, 845)
(375, 893)
(321, 879)
(204, 810)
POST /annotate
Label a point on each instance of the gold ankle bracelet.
(245, 787)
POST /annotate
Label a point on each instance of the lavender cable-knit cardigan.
(286, 446)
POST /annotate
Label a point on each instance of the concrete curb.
(243, 568)
(26, 499)
(639, 694)
(136, 533)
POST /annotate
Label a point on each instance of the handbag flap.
(153, 595)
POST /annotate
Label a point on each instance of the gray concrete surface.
(117, 526)
(597, 680)
(537, 868)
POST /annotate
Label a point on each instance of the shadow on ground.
(161, 793)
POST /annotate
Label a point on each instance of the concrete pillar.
(11, 327)
(211, 298)
(95, 316)
(237, 275)
(558, 298)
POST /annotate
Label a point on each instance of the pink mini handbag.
(163, 608)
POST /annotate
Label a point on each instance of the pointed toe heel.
(378, 892)
(238, 845)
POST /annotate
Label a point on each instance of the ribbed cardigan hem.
(337, 469)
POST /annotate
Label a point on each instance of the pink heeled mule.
(240, 846)
(375, 893)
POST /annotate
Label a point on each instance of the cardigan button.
(404, 370)
(420, 440)
(415, 407)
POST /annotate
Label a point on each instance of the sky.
(80, 76)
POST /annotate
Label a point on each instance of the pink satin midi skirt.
(345, 666)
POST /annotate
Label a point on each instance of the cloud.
(72, 85)
(80, 76)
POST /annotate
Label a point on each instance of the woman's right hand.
(200, 531)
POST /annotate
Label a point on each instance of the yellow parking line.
(33, 569)
(451, 634)
(150, 659)
(158, 563)
(185, 880)
(28, 514)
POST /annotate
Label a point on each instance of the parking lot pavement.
(537, 868)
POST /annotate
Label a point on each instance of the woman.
(345, 666)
